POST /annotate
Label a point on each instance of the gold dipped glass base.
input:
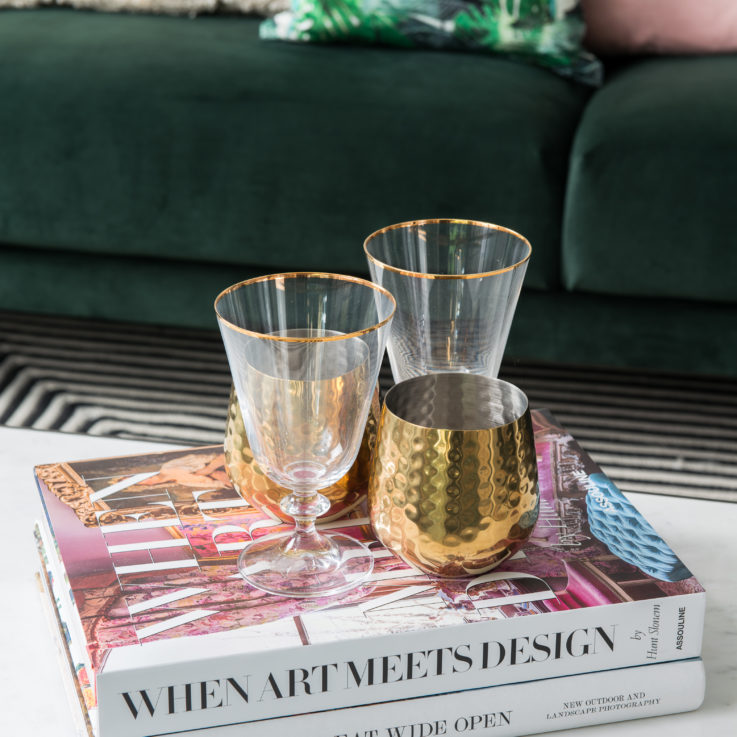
(261, 492)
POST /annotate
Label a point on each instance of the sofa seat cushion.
(650, 207)
(178, 138)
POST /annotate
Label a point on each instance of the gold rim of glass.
(303, 274)
(435, 221)
(494, 428)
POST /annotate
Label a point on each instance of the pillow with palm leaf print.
(544, 32)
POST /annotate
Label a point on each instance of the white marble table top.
(32, 697)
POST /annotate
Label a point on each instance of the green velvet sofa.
(147, 162)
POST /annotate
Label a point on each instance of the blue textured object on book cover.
(614, 521)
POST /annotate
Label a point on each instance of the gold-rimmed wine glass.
(456, 283)
(304, 351)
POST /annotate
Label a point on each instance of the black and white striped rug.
(657, 433)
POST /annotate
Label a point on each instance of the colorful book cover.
(519, 708)
(149, 544)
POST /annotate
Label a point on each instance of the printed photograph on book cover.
(149, 546)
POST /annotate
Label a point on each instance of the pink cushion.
(660, 26)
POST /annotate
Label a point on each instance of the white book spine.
(505, 711)
(140, 694)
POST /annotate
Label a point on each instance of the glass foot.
(303, 566)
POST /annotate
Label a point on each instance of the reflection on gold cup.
(260, 491)
(453, 487)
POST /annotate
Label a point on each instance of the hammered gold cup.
(453, 487)
(261, 492)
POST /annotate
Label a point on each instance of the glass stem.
(304, 526)
(304, 507)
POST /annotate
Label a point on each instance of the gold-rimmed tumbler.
(304, 351)
(456, 283)
(453, 488)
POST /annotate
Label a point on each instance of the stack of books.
(595, 620)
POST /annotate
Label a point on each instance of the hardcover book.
(142, 552)
(509, 710)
